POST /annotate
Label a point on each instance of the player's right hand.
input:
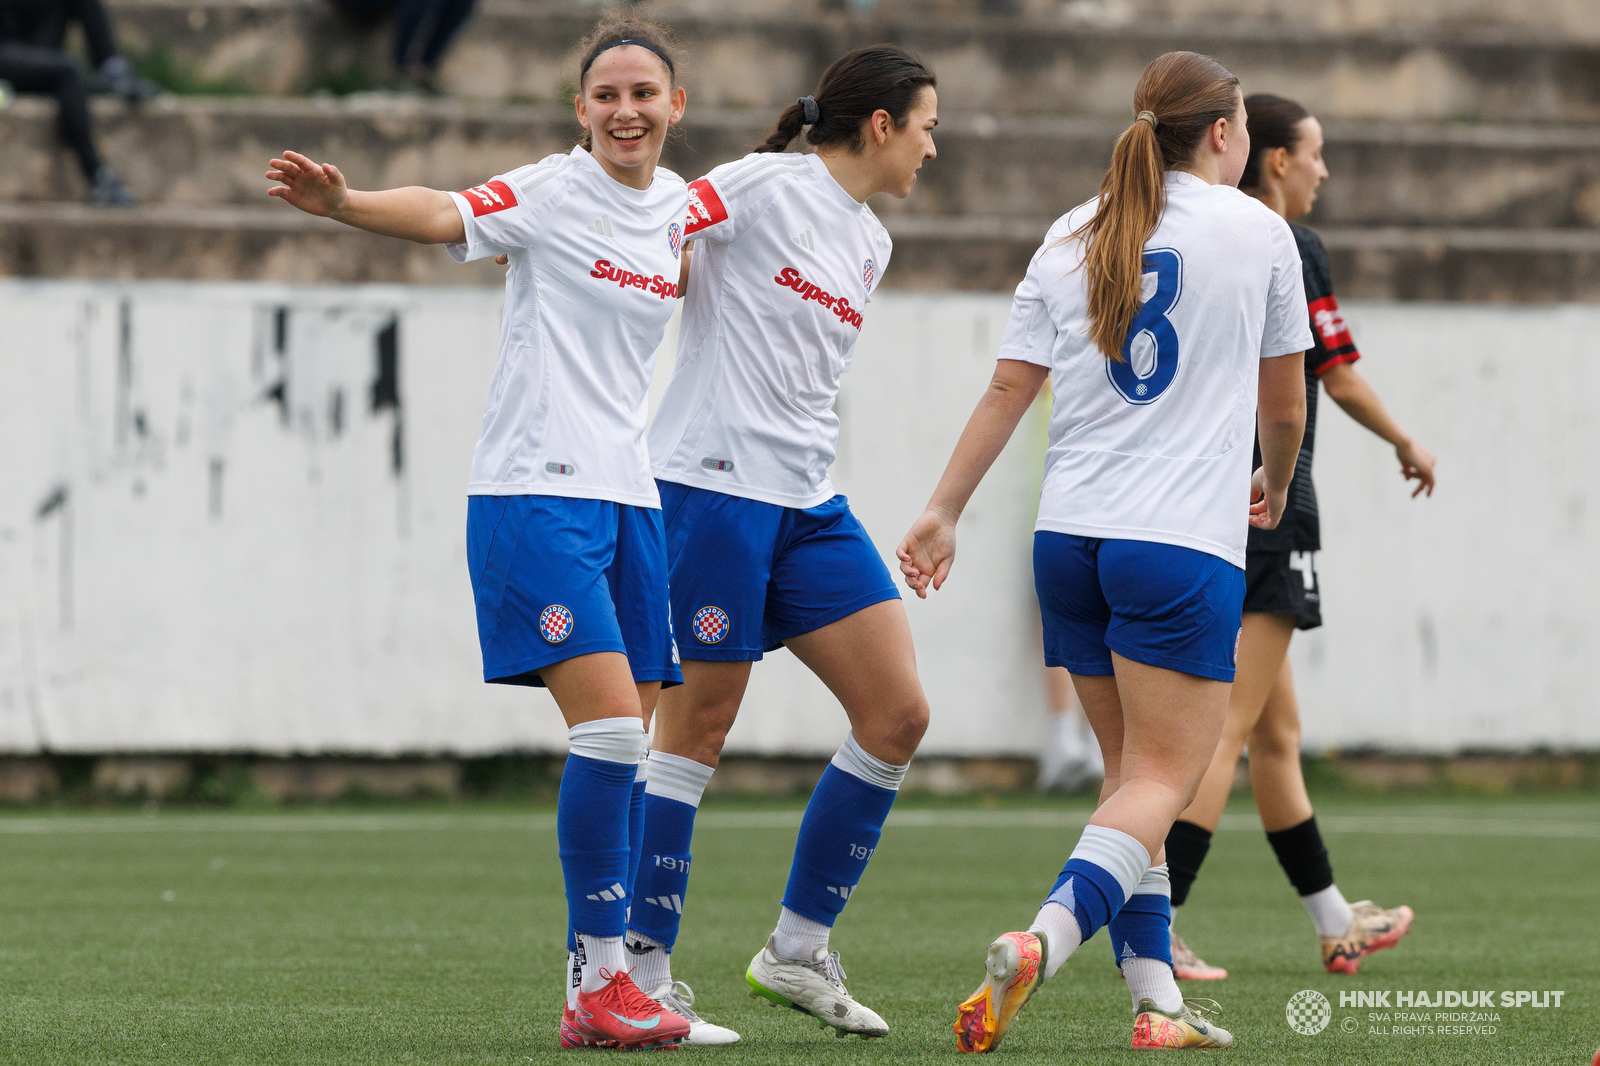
(1266, 505)
(927, 551)
(315, 188)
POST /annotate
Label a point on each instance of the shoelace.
(831, 969)
(632, 999)
(680, 1001)
(1196, 1006)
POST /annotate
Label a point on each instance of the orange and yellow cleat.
(1013, 971)
(1372, 929)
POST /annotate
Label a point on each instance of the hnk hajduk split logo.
(1454, 1013)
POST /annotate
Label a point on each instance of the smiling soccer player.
(565, 543)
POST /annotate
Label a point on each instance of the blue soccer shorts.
(1157, 604)
(747, 575)
(556, 577)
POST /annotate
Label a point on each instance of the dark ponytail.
(614, 28)
(880, 78)
(1273, 123)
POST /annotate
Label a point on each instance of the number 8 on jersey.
(1146, 387)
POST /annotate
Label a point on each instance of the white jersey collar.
(586, 159)
(829, 183)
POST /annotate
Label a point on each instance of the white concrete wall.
(188, 563)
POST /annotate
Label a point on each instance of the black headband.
(587, 63)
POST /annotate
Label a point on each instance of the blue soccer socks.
(592, 836)
(1141, 939)
(636, 820)
(1102, 873)
(1143, 927)
(839, 833)
(671, 799)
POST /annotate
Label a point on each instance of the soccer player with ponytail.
(565, 543)
(1283, 593)
(1169, 314)
(764, 553)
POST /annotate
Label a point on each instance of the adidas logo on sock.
(601, 225)
(842, 891)
(805, 240)
(610, 895)
(671, 903)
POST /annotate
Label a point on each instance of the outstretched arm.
(930, 547)
(1347, 388)
(426, 216)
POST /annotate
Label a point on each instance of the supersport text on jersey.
(568, 403)
(784, 261)
(1156, 447)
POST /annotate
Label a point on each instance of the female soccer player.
(764, 553)
(1167, 312)
(565, 542)
(1282, 592)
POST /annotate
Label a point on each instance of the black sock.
(1302, 855)
(1187, 845)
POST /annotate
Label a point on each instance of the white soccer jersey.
(783, 263)
(1158, 448)
(592, 282)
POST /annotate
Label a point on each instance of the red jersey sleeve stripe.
(1328, 321)
(490, 197)
(705, 207)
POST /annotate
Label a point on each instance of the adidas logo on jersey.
(601, 225)
(805, 240)
(839, 305)
(610, 895)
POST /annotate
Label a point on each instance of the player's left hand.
(315, 188)
(1416, 462)
(927, 551)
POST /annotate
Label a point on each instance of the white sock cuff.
(674, 777)
(1115, 852)
(1155, 882)
(608, 740)
(854, 760)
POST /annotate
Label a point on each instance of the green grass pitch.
(435, 934)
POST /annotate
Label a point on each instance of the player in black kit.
(1282, 592)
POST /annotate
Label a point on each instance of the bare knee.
(892, 734)
(1277, 740)
(694, 731)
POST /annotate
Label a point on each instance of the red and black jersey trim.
(1331, 335)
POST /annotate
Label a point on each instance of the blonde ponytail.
(1178, 98)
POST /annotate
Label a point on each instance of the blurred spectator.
(32, 35)
(423, 30)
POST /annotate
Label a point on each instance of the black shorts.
(1284, 583)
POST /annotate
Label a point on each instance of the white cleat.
(678, 998)
(815, 988)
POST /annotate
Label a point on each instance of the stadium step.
(214, 151)
(1576, 20)
(972, 252)
(757, 56)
